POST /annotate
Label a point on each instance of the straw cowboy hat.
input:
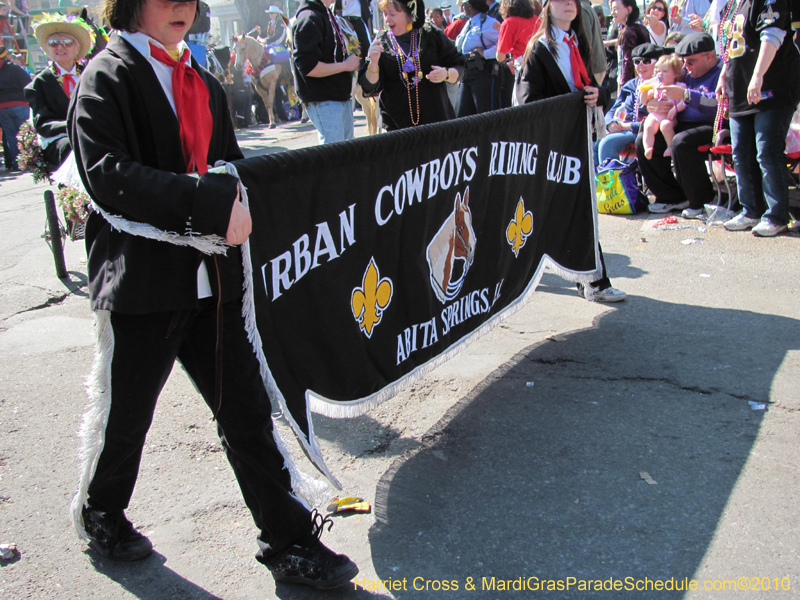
(275, 9)
(76, 28)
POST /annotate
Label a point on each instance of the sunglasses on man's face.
(55, 43)
(643, 61)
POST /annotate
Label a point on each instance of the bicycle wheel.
(54, 234)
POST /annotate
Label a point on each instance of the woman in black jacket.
(555, 64)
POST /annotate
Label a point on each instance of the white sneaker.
(660, 208)
(607, 295)
(767, 228)
(693, 213)
(740, 222)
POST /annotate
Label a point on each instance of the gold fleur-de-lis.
(520, 228)
(369, 301)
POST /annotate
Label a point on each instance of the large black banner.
(376, 259)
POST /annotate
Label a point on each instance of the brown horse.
(268, 74)
(455, 240)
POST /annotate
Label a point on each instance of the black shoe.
(113, 536)
(311, 563)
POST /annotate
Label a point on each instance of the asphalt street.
(611, 444)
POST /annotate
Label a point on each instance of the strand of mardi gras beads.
(410, 70)
(338, 36)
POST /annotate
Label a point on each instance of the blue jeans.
(612, 145)
(333, 120)
(759, 143)
(11, 119)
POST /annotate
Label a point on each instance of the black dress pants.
(691, 180)
(480, 90)
(145, 349)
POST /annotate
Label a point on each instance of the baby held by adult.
(663, 111)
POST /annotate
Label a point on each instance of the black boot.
(310, 562)
(113, 536)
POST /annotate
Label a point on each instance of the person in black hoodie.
(323, 70)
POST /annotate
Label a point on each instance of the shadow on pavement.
(537, 472)
(150, 579)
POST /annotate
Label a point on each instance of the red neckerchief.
(191, 105)
(579, 75)
(66, 83)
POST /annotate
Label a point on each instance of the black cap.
(695, 43)
(648, 51)
(479, 5)
(419, 16)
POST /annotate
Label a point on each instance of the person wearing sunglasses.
(65, 42)
(627, 113)
(657, 21)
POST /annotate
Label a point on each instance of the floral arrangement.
(30, 156)
(74, 203)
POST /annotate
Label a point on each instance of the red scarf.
(579, 75)
(191, 105)
(67, 81)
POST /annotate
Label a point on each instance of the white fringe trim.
(305, 485)
(95, 419)
(67, 174)
(588, 289)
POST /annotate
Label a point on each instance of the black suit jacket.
(540, 77)
(48, 103)
(127, 146)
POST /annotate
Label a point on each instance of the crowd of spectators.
(733, 66)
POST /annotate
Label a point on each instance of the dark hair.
(398, 6)
(545, 32)
(601, 16)
(633, 16)
(123, 15)
(674, 38)
(665, 15)
(517, 8)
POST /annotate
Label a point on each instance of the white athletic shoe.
(767, 228)
(660, 208)
(693, 213)
(740, 222)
